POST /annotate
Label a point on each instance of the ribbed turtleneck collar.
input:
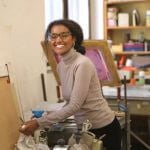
(69, 57)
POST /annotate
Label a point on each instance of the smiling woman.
(80, 86)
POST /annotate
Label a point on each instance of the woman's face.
(61, 39)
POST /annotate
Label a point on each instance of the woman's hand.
(29, 127)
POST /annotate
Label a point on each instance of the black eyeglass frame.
(62, 35)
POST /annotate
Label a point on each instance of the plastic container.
(37, 113)
(141, 80)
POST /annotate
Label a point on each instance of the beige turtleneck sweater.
(82, 91)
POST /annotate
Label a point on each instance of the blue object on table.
(37, 113)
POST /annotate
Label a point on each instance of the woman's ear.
(74, 38)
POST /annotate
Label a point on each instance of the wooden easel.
(101, 45)
(53, 63)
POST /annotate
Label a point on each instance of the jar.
(141, 80)
(148, 18)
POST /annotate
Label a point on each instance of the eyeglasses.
(62, 35)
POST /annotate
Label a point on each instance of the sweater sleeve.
(83, 76)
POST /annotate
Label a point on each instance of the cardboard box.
(123, 19)
(117, 48)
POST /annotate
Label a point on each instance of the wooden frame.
(51, 59)
(99, 53)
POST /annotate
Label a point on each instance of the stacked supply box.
(133, 46)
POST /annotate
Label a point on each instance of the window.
(53, 11)
(88, 13)
(79, 12)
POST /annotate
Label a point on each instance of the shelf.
(128, 28)
(124, 1)
(122, 34)
(132, 53)
(117, 33)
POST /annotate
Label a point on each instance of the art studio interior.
(32, 82)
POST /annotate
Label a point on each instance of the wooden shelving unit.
(117, 33)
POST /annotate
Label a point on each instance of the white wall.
(22, 28)
(23, 21)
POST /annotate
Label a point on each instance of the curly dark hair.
(75, 30)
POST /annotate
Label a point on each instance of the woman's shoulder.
(84, 59)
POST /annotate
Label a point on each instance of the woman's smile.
(60, 46)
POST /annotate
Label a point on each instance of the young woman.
(80, 87)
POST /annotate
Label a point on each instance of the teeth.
(60, 46)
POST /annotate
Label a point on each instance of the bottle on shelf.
(141, 37)
(141, 80)
(135, 18)
(145, 46)
(148, 17)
